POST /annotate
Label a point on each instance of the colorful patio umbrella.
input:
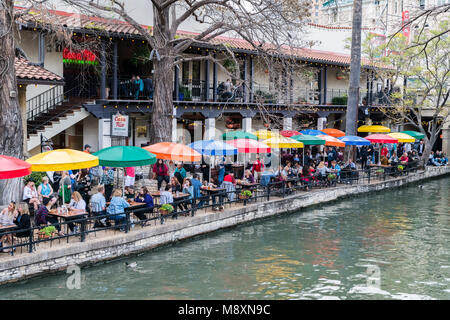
(174, 151)
(367, 128)
(124, 156)
(11, 167)
(213, 148)
(62, 160)
(354, 141)
(332, 141)
(334, 132)
(265, 134)
(312, 132)
(381, 138)
(283, 142)
(249, 146)
(289, 133)
(414, 134)
(402, 137)
(231, 135)
(309, 140)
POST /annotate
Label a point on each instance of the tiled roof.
(119, 27)
(26, 72)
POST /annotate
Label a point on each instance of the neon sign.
(82, 57)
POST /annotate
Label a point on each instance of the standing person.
(107, 180)
(87, 149)
(257, 168)
(45, 191)
(228, 90)
(384, 151)
(197, 185)
(66, 186)
(229, 183)
(363, 156)
(139, 88)
(180, 172)
(160, 173)
(84, 184)
(148, 87)
(98, 206)
(420, 148)
(30, 195)
(130, 176)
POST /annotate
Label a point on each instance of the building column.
(23, 111)
(102, 72)
(115, 83)
(244, 84)
(210, 128)
(214, 79)
(287, 123)
(104, 133)
(247, 124)
(252, 72)
(321, 123)
(207, 80)
(446, 140)
(176, 82)
(324, 85)
(174, 130)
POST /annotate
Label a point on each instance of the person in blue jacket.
(117, 207)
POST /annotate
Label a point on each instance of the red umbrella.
(381, 138)
(249, 146)
(11, 167)
(289, 133)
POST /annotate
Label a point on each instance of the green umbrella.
(309, 140)
(414, 134)
(232, 135)
(125, 156)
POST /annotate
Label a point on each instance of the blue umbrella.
(213, 148)
(354, 141)
(313, 132)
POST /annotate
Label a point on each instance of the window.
(422, 4)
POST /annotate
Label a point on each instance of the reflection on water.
(390, 245)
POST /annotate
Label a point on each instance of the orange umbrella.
(331, 141)
(174, 151)
(334, 132)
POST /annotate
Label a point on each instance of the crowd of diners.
(95, 192)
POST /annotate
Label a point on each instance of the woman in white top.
(30, 194)
(76, 203)
(7, 217)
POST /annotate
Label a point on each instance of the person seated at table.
(129, 192)
(116, 208)
(229, 184)
(335, 169)
(30, 195)
(98, 207)
(394, 159)
(297, 169)
(404, 158)
(76, 203)
(248, 177)
(165, 196)
(7, 217)
(322, 170)
(280, 174)
(307, 177)
(176, 185)
(42, 217)
(45, 190)
(180, 172)
(197, 189)
(144, 197)
(384, 161)
(350, 165)
(22, 221)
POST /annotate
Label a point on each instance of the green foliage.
(246, 193)
(400, 167)
(36, 177)
(331, 176)
(187, 93)
(140, 55)
(167, 207)
(339, 101)
(47, 231)
(230, 65)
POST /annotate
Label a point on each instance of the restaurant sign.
(119, 125)
(79, 57)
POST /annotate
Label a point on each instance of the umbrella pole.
(123, 183)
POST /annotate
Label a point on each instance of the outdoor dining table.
(72, 214)
(176, 197)
(6, 227)
(214, 193)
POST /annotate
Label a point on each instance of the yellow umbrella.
(402, 137)
(61, 160)
(266, 134)
(373, 129)
(279, 142)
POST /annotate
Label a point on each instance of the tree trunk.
(161, 124)
(11, 138)
(355, 71)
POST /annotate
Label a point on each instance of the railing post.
(30, 238)
(368, 176)
(268, 191)
(127, 221)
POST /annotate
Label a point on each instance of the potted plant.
(47, 232)
(245, 194)
(331, 176)
(379, 171)
(400, 167)
(166, 209)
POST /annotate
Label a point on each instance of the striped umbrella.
(249, 146)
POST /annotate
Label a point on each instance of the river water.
(393, 244)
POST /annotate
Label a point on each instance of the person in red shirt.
(257, 168)
(230, 178)
(129, 176)
(384, 151)
(161, 173)
(404, 159)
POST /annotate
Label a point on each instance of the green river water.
(393, 244)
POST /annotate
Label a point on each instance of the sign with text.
(119, 125)
(406, 29)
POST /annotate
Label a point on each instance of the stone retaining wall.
(138, 240)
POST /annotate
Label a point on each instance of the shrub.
(167, 207)
(246, 193)
(36, 177)
(339, 101)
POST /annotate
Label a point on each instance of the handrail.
(44, 102)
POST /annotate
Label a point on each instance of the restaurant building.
(95, 103)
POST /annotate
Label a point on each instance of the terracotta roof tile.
(27, 71)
